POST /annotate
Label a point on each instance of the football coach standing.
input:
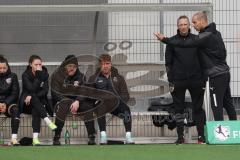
(213, 60)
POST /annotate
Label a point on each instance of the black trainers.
(180, 140)
(91, 140)
(201, 140)
(56, 141)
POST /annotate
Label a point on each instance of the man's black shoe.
(180, 140)
(201, 140)
(56, 141)
(91, 140)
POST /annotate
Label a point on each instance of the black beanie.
(70, 59)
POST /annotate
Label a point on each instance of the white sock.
(47, 120)
(14, 136)
(128, 134)
(103, 133)
(35, 135)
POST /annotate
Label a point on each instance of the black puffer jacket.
(115, 84)
(35, 85)
(182, 63)
(211, 48)
(9, 88)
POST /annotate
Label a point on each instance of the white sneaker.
(14, 142)
(103, 138)
(129, 139)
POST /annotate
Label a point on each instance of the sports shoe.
(201, 140)
(56, 141)
(91, 139)
(180, 140)
(14, 142)
(36, 142)
(129, 139)
(103, 138)
(52, 126)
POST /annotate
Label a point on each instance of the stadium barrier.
(143, 129)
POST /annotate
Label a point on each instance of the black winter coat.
(182, 63)
(211, 48)
(9, 88)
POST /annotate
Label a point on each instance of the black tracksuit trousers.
(38, 111)
(12, 111)
(122, 111)
(198, 115)
(219, 86)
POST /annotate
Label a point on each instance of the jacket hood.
(114, 71)
(211, 28)
(70, 59)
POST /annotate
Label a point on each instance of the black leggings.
(123, 112)
(12, 111)
(38, 110)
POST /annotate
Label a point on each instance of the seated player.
(108, 79)
(9, 92)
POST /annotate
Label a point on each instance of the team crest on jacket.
(100, 81)
(76, 83)
(9, 80)
(115, 79)
(41, 85)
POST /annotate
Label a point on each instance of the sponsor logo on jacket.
(9, 80)
(76, 83)
(41, 85)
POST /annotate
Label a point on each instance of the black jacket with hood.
(211, 49)
(76, 80)
(9, 88)
(182, 64)
(115, 84)
(35, 85)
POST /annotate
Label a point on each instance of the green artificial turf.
(123, 152)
